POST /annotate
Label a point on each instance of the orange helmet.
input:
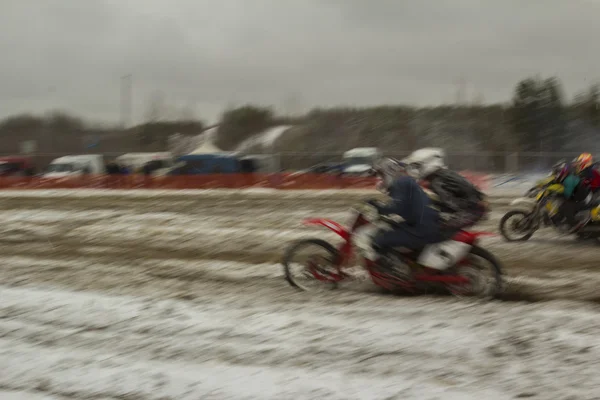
(585, 160)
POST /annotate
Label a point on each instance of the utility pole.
(126, 89)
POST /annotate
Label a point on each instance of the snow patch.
(265, 139)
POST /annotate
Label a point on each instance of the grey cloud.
(72, 53)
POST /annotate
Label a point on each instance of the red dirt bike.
(453, 265)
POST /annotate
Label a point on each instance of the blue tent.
(198, 164)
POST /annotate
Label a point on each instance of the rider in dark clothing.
(408, 200)
(460, 203)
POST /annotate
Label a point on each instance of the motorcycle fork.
(345, 254)
(530, 220)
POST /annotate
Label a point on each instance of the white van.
(135, 161)
(68, 166)
(358, 161)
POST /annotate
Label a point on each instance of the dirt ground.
(143, 287)
(154, 232)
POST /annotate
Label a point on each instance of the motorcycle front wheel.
(310, 265)
(514, 221)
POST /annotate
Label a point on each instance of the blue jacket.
(412, 203)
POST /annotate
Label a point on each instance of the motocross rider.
(421, 225)
(575, 190)
(584, 167)
(461, 204)
(574, 193)
(590, 177)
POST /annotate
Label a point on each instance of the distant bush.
(240, 123)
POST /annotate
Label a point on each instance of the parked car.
(76, 165)
(16, 166)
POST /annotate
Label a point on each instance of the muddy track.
(160, 299)
(89, 246)
(82, 345)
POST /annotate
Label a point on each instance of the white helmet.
(423, 162)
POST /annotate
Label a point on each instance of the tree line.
(543, 121)
(537, 118)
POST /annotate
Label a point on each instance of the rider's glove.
(375, 204)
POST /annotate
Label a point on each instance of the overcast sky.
(292, 54)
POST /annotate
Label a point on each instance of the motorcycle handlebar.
(364, 208)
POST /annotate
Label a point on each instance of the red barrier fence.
(217, 181)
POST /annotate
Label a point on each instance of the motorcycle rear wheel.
(586, 236)
(479, 286)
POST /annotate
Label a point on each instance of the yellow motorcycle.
(542, 183)
(539, 185)
(532, 212)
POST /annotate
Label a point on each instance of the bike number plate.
(443, 255)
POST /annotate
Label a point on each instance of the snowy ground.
(181, 296)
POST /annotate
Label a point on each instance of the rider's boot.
(595, 214)
(582, 220)
(391, 264)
